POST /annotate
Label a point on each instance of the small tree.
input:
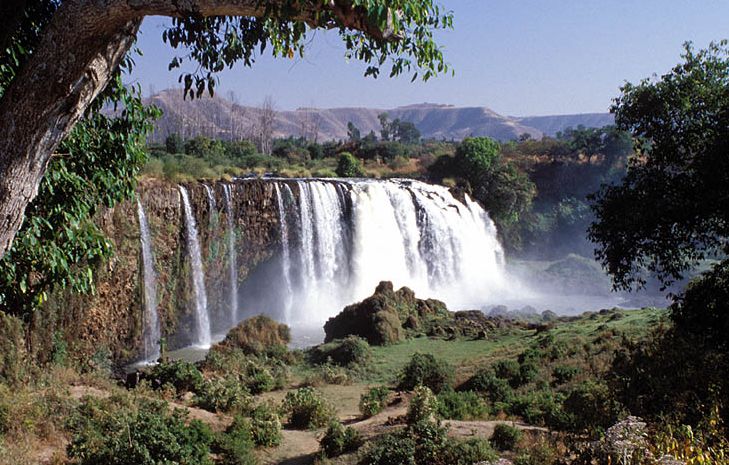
(174, 143)
(349, 166)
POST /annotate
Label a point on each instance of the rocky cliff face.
(112, 319)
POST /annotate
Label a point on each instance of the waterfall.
(232, 253)
(151, 332)
(202, 319)
(350, 234)
(285, 248)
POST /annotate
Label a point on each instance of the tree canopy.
(672, 208)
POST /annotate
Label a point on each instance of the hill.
(221, 118)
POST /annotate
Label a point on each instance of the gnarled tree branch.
(82, 46)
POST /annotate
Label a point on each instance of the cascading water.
(151, 332)
(232, 253)
(202, 319)
(350, 234)
(285, 248)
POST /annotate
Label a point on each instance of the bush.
(505, 437)
(461, 406)
(391, 449)
(506, 369)
(149, 435)
(306, 408)
(183, 376)
(349, 166)
(541, 453)
(339, 440)
(563, 374)
(343, 352)
(223, 395)
(426, 370)
(470, 451)
(259, 380)
(540, 408)
(423, 406)
(265, 426)
(590, 407)
(485, 381)
(373, 401)
(235, 445)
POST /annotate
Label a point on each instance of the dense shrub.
(223, 395)
(349, 166)
(541, 453)
(426, 370)
(485, 381)
(339, 440)
(564, 373)
(306, 408)
(423, 406)
(391, 449)
(469, 452)
(183, 376)
(259, 379)
(373, 401)
(590, 407)
(542, 407)
(265, 426)
(505, 437)
(235, 445)
(506, 369)
(149, 435)
(343, 352)
(466, 405)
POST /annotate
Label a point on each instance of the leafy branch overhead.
(373, 31)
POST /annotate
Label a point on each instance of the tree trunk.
(81, 48)
(70, 67)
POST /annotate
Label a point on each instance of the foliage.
(591, 407)
(148, 435)
(306, 408)
(218, 42)
(505, 437)
(466, 405)
(426, 443)
(223, 395)
(391, 449)
(485, 381)
(705, 445)
(373, 401)
(352, 350)
(183, 376)
(348, 166)
(339, 440)
(13, 359)
(423, 406)
(426, 370)
(235, 445)
(676, 189)
(265, 426)
(95, 166)
(564, 373)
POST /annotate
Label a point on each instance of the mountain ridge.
(220, 118)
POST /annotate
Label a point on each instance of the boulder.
(387, 316)
(257, 335)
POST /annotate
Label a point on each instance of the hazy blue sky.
(518, 57)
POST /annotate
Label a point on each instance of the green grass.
(468, 355)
